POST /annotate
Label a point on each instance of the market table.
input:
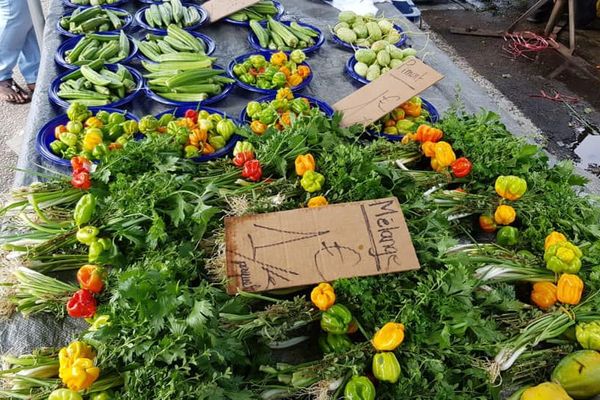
(20, 335)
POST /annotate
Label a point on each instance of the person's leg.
(14, 20)
(29, 61)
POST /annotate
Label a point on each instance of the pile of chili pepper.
(80, 176)
(311, 181)
(404, 119)
(278, 113)
(244, 158)
(198, 132)
(277, 72)
(91, 136)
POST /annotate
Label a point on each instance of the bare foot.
(10, 92)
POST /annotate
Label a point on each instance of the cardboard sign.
(373, 101)
(311, 245)
(218, 9)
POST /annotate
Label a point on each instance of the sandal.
(12, 93)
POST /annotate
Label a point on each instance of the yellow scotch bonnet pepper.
(312, 181)
(553, 238)
(317, 201)
(81, 375)
(304, 163)
(279, 58)
(444, 156)
(323, 296)
(510, 187)
(389, 337)
(505, 215)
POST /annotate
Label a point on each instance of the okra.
(192, 76)
(94, 77)
(85, 14)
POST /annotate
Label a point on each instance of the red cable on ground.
(521, 44)
(556, 97)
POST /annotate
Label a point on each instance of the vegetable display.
(96, 85)
(185, 78)
(176, 45)
(404, 120)
(278, 113)
(379, 59)
(364, 31)
(257, 12)
(284, 36)
(198, 132)
(91, 135)
(93, 19)
(171, 12)
(109, 48)
(277, 72)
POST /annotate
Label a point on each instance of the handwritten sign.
(387, 92)
(218, 9)
(311, 245)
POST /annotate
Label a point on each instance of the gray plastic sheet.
(21, 335)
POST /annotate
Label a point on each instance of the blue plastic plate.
(434, 116)
(69, 44)
(140, 19)
(54, 88)
(210, 45)
(45, 136)
(267, 55)
(117, 3)
(277, 16)
(225, 150)
(349, 46)
(190, 104)
(320, 40)
(127, 21)
(323, 106)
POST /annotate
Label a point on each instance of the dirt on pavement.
(564, 123)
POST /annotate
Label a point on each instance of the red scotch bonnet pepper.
(252, 170)
(242, 158)
(82, 304)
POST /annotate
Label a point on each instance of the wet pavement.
(570, 122)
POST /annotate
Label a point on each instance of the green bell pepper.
(74, 127)
(332, 343)
(191, 151)
(84, 209)
(226, 128)
(68, 138)
(507, 236)
(268, 116)
(253, 109)
(87, 234)
(64, 394)
(78, 112)
(312, 181)
(217, 141)
(563, 257)
(337, 318)
(103, 116)
(279, 79)
(116, 118)
(148, 124)
(386, 367)
(57, 147)
(359, 388)
(588, 335)
(239, 69)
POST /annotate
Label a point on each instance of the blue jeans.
(18, 43)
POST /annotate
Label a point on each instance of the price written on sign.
(219, 9)
(387, 92)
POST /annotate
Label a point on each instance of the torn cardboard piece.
(373, 101)
(219, 9)
(311, 245)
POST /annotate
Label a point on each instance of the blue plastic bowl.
(350, 71)
(45, 136)
(69, 44)
(54, 88)
(337, 40)
(434, 116)
(277, 16)
(210, 46)
(225, 150)
(126, 23)
(140, 19)
(323, 106)
(117, 3)
(190, 104)
(266, 54)
(320, 40)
